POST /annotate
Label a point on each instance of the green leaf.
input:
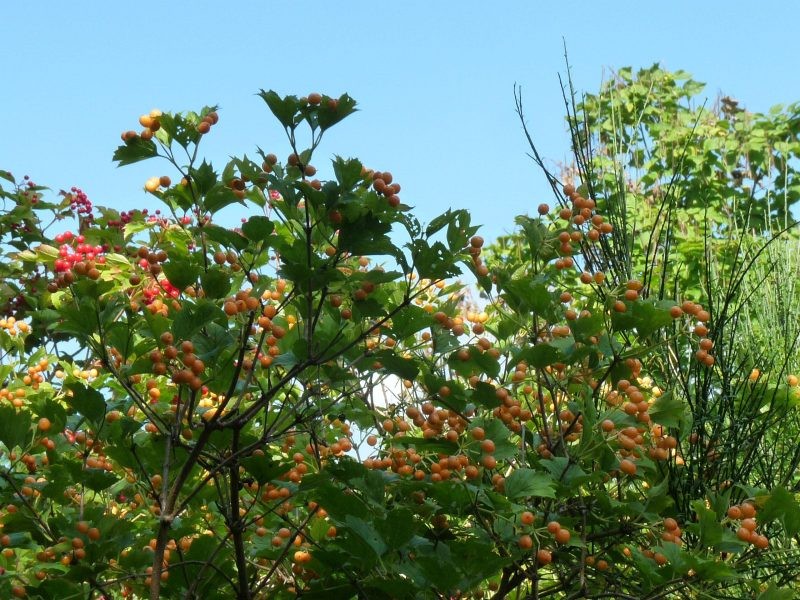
(365, 236)
(98, 479)
(284, 109)
(87, 402)
(782, 505)
(397, 365)
(135, 150)
(203, 178)
(329, 113)
(460, 230)
(14, 427)
(668, 410)
(710, 528)
(258, 228)
(216, 283)
(181, 273)
(773, 592)
(397, 529)
(367, 533)
(523, 483)
(409, 321)
(525, 295)
(485, 394)
(440, 222)
(646, 316)
(433, 261)
(542, 355)
(347, 172)
(263, 468)
(426, 445)
(194, 317)
(336, 503)
(564, 470)
(219, 197)
(226, 237)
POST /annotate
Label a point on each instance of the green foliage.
(303, 406)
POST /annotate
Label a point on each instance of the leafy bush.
(307, 404)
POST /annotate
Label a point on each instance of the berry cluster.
(151, 123)
(80, 203)
(745, 515)
(162, 286)
(205, 125)
(475, 245)
(152, 184)
(382, 182)
(74, 250)
(124, 218)
(151, 261)
(13, 327)
(30, 194)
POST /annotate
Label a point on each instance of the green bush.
(308, 404)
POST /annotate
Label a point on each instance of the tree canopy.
(313, 404)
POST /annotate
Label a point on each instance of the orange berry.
(628, 467)
(302, 557)
(631, 295)
(734, 512)
(748, 510)
(562, 536)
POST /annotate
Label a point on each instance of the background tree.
(701, 202)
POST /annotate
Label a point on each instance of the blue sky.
(434, 81)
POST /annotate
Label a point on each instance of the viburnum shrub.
(308, 405)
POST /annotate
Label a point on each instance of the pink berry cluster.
(74, 249)
(126, 217)
(80, 203)
(30, 193)
(26, 192)
(163, 286)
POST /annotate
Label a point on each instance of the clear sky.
(433, 79)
